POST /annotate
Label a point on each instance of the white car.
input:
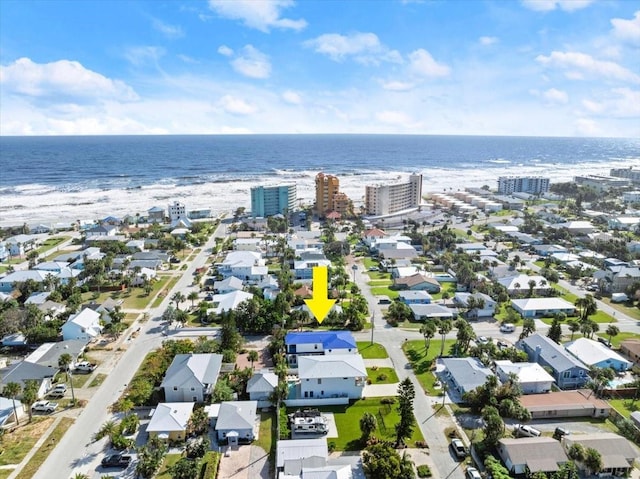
(58, 390)
(44, 406)
(473, 473)
(507, 328)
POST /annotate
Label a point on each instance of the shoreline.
(36, 204)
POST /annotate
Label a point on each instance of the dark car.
(116, 460)
(604, 341)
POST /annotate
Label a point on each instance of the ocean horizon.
(65, 178)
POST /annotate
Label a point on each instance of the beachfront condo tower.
(381, 200)
(327, 188)
(536, 185)
(273, 200)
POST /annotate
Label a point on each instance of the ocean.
(50, 179)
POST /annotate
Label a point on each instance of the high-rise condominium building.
(272, 200)
(629, 173)
(388, 199)
(327, 187)
(523, 184)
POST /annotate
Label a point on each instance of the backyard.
(423, 364)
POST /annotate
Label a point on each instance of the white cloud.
(587, 127)
(252, 63)
(225, 51)
(188, 59)
(488, 40)
(618, 103)
(587, 64)
(146, 54)
(61, 79)
(627, 30)
(169, 31)
(398, 118)
(236, 106)
(292, 97)
(423, 64)
(548, 5)
(258, 14)
(553, 95)
(398, 86)
(363, 47)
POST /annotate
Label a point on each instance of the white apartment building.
(177, 210)
(628, 173)
(631, 197)
(523, 184)
(383, 200)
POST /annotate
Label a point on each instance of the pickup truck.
(58, 391)
(44, 406)
(116, 460)
(85, 367)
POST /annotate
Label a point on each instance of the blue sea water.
(75, 163)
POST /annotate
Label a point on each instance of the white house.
(261, 385)
(228, 285)
(169, 421)
(303, 269)
(335, 375)
(228, 301)
(8, 419)
(191, 377)
(8, 282)
(532, 307)
(83, 325)
(594, 353)
(246, 265)
(309, 343)
(532, 377)
(237, 422)
(487, 310)
(519, 284)
(531, 454)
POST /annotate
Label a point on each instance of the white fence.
(316, 402)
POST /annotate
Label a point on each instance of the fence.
(316, 402)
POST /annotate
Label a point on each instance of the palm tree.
(428, 330)
(587, 307)
(253, 356)
(177, 298)
(574, 327)
(444, 328)
(63, 363)
(368, 425)
(612, 330)
(12, 390)
(193, 295)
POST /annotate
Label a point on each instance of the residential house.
(576, 227)
(414, 297)
(249, 244)
(48, 354)
(169, 421)
(593, 353)
(535, 307)
(135, 245)
(487, 310)
(11, 411)
(24, 371)
(237, 422)
(626, 223)
(15, 340)
(228, 285)
(398, 271)
(373, 235)
(38, 297)
(294, 454)
(529, 455)
(465, 374)
(617, 453)
(261, 385)
(84, 325)
(531, 377)
(155, 214)
(310, 343)
(616, 279)
(303, 269)
(549, 249)
(20, 245)
(191, 377)
(334, 375)
(104, 229)
(105, 309)
(417, 282)
(246, 265)
(631, 348)
(519, 284)
(228, 301)
(423, 312)
(4, 252)
(567, 371)
(563, 404)
(8, 282)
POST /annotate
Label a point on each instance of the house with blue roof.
(568, 371)
(310, 343)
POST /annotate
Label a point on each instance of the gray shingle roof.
(553, 354)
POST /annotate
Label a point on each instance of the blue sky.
(502, 67)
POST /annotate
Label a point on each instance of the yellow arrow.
(320, 304)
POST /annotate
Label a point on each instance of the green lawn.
(133, 298)
(445, 287)
(625, 406)
(631, 311)
(378, 275)
(382, 375)
(267, 432)
(421, 364)
(371, 351)
(17, 444)
(370, 262)
(78, 380)
(622, 336)
(29, 470)
(384, 291)
(98, 380)
(51, 243)
(172, 282)
(169, 460)
(348, 423)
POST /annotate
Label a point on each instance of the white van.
(507, 328)
(522, 430)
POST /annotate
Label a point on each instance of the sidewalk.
(34, 449)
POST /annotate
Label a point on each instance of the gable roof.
(236, 415)
(262, 381)
(469, 373)
(331, 366)
(538, 453)
(230, 300)
(23, 371)
(48, 354)
(87, 319)
(204, 368)
(415, 279)
(533, 304)
(170, 416)
(552, 353)
(615, 450)
(232, 282)
(511, 282)
(329, 339)
(296, 449)
(592, 352)
(413, 295)
(526, 372)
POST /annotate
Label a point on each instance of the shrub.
(382, 377)
(424, 471)
(331, 447)
(422, 444)
(388, 401)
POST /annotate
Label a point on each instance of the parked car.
(458, 448)
(507, 328)
(472, 473)
(560, 432)
(522, 430)
(208, 297)
(44, 406)
(502, 344)
(604, 341)
(116, 460)
(58, 391)
(85, 367)
(483, 340)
